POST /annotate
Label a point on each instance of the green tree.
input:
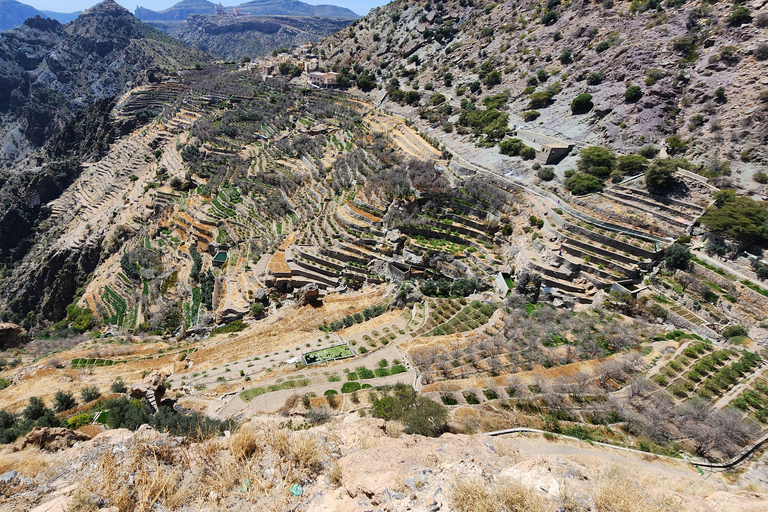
(659, 174)
(90, 393)
(257, 309)
(629, 165)
(581, 183)
(63, 400)
(419, 414)
(677, 256)
(596, 160)
(35, 409)
(511, 147)
(742, 219)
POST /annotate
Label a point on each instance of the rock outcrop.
(11, 335)
(53, 438)
(153, 384)
(307, 294)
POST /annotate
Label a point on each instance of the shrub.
(511, 147)
(118, 386)
(633, 94)
(528, 153)
(539, 99)
(79, 420)
(549, 17)
(597, 161)
(594, 78)
(631, 164)
(677, 256)
(419, 414)
(63, 400)
(648, 151)
(734, 330)
(546, 173)
(581, 183)
(581, 103)
(531, 115)
(739, 16)
(349, 387)
(35, 409)
(659, 174)
(602, 46)
(90, 393)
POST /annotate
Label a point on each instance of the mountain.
(232, 38)
(57, 87)
(13, 14)
(687, 78)
(296, 8)
(178, 12)
(185, 8)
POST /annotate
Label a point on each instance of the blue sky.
(360, 7)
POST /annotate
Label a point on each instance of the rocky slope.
(59, 84)
(254, 36)
(350, 464)
(699, 68)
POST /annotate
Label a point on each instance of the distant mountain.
(185, 8)
(233, 38)
(296, 8)
(178, 12)
(13, 14)
(62, 17)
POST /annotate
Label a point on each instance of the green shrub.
(63, 400)
(581, 103)
(118, 386)
(594, 78)
(633, 94)
(734, 330)
(79, 420)
(349, 387)
(90, 393)
(581, 184)
(235, 326)
(528, 153)
(531, 115)
(546, 173)
(739, 16)
(511, 147)
(419, 414)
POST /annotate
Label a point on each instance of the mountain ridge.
(185, 8)
(13, 14)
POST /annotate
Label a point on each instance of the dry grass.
(394, 428)
(619, 491)
(479, 495)
(212, 473)
(31, 461)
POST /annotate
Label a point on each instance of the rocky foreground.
(355, 463)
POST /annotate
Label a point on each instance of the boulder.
(306, 294)
(53, 438)
(11, 335)
(261, 295)
(154, 381)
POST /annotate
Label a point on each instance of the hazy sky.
(359, 6)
